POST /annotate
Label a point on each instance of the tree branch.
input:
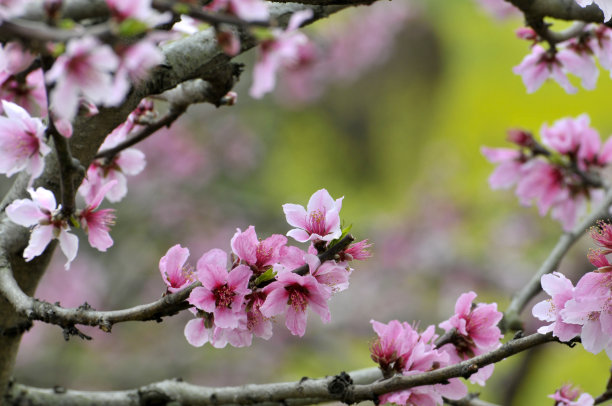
(512, 320)
(349, 388)
(561, 9)
(169, 305)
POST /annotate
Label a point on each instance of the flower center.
(298, 297)
(316, 222)
(224, 296)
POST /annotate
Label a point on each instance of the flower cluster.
(561, 175)
(575, 55)
(399, 348)
(239, 295)
(586, 309)
(43, 214)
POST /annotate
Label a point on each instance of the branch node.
(469, 370)
(342, 385)
(59, 389)
(71, 330)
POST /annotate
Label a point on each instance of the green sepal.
(66, 24)
(345, 231)
(132, 27)
(266, 276)
(75, 223)
(262, 34)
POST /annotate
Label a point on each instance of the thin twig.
(512, 320)
(166, 121)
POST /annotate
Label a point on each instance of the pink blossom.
(591, 308)
(319, 221)
(331, 274)
(601, 44)
(561, 290)
(130, 161)
(418, 354)
(567, 135)
(248, 10)
(599, 259)
(96, 223)
(229, 42)
(175, 273)
(602, 234)
(222, 292)
(257, 254)
(476, 333)
(135, 63)
(509, 170)
(21, 142)
(41, 212)
(29, 94)
(539, 66)
(11, 8)
(577, 59)
(294, 293)
(477, 326)
(282, 51)
(260, 325)
(604, 5)
(357, 251)
(85, 69)
(138, 10)
(499, 9)
(543, 183)
(392, 348)
(568, 396)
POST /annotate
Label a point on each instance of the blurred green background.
(402, 144)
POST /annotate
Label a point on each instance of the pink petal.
(296, 215)
(196, 332)
(131, 161)
(296, 321)
(39, 239)
(69, 243)
(25, 212)
(244, 244)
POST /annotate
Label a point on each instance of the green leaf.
(74, 222)
(132, 27)
(266, 276)
(262, 34)
(66, 24)
(58, 49)
(345, 231)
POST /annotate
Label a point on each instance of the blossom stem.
(166, 121)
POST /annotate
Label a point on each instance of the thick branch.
(312, 390)
(512, 319)
(561, 9)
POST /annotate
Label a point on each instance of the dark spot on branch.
(304, 379)
(59, 389)
(342, 385)
(71, 330)
(469, 370)
(151, 397)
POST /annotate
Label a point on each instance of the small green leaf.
(74, 222)
(132, 27)
(58, 49)
(345, 231)
(266, 276)
(66, 24)
(262, 34)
